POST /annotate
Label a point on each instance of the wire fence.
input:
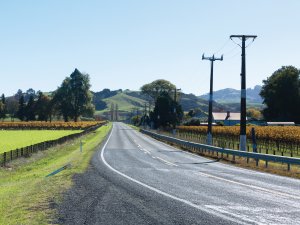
(282, 148)
(27, 151)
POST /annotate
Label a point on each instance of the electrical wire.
(231, 50)
(236, 43)
(250, 43)
(233, 55)
(222, 47)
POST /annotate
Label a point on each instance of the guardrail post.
(289, 167)
(266, 165)
(257, 160)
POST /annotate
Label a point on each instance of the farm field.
(277, 140)
(13, 139)
(26, 195)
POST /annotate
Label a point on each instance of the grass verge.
(26, 195)
(134, 127)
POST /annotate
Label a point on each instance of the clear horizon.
(125, 44)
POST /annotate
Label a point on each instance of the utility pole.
(145, 114)
(116, 112)
(131, 115)
(112, 111)
(137, 115)
(209, 127)
(243, 137)
(174, 110)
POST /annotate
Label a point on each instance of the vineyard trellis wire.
(284, 141)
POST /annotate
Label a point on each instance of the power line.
(233, 55)
(222, 47)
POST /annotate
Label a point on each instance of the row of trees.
(280, 92)
(70, 101)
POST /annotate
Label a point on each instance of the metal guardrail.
(252, 155)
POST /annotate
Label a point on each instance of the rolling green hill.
(129, 102)
(124, 101)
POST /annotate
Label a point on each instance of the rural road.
(134, 179)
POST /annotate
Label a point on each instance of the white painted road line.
(199, 207)
(167, 162)
(250, 186)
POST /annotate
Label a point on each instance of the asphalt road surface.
(134, 179)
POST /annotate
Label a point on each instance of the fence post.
(4, 158)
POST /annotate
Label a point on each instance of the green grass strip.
(25, 193)
(13, 139)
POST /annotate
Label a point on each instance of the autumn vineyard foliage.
(282, 134)
(57, 125)
(269, 139)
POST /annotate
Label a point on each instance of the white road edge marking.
(249, 185)
(201, 208)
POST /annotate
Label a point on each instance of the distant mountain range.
(230, 95)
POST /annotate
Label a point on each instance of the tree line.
(70, 101)
(280, 93)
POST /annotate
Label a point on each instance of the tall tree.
(18, 94)
(73, 98)
(163, 114)
(21, 108)
(62, 100)
(12, 107)
(3, 110)
(81, 94)
(3, 99)
(30, 109)
(42, 106)
(281, 94)
(156, 88)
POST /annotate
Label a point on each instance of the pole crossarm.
(243, 36)
(212, 58)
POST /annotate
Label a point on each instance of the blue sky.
(125, 44)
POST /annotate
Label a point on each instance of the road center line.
(199, 207)
(165, 161)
